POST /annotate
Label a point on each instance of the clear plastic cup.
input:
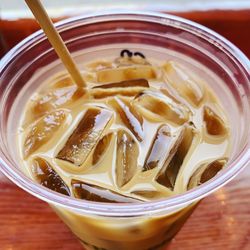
(149, 225)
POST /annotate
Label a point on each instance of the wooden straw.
(55, 39)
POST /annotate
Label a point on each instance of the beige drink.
(146, 130)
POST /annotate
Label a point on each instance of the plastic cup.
(150, 225)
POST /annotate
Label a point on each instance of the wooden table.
(221, 221)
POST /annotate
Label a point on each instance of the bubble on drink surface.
(162, 149)
(126, 73)
(213, 123)
(126, 88)
(130, 117)
(45, 175)
(187, 86)
(158, 108)
(42, 131)
(206, 172)
(126, 157)
(96, 193)
(101, 148)
(86, 136)
(168, 177)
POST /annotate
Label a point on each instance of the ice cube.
(170, 95)
(126, 73)
(42, 131)
(130, 117)
(101, 148)
(162, 149)
(150, 195)
(182, 81)
(56, 98)
(126, 88)
(125, 84)
(156, 108)
(103, 93)
(159, 148)
(65, 80)
(62, 81)
(168, 177)
(86, 136)
(206, 172)
(45, 175)
(126, 157)
(214, 124)
(91, 192)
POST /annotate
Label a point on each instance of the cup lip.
(145, 208)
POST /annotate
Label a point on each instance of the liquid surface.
(144, 131)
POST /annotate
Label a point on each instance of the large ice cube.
(91, 192)
(130, 117)
(206, 172)
(186, 84)
(126, 73)
(214, 124)
(126, 157)
(42, 131)
(168, 177)
(45, 175)
(86, 136)
(156, 108)
(162, 149)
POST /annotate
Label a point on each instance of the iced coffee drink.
(144, 130)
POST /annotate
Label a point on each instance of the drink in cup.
(125, 162)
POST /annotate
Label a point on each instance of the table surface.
(221, 221)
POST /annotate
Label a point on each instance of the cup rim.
(107, 209)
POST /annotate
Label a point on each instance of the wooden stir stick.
(56, 41)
